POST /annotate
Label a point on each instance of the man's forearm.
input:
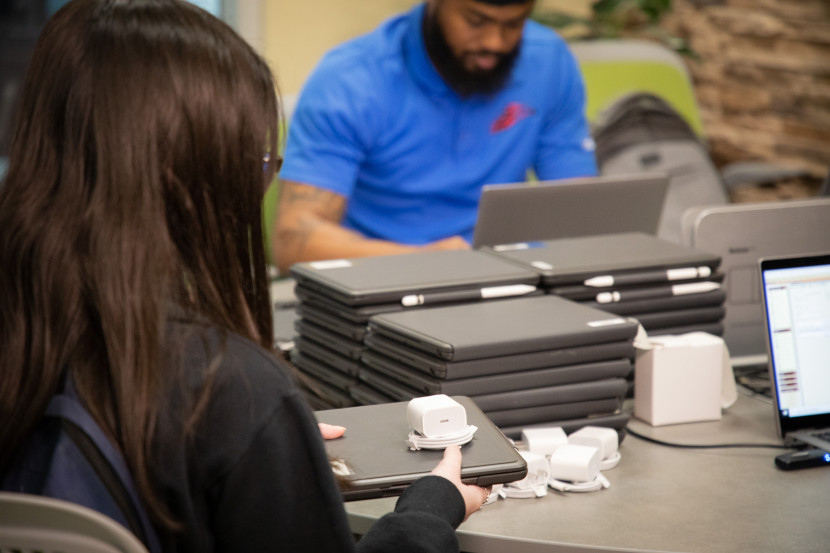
(310, 239)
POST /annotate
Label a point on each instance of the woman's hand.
(450, 468)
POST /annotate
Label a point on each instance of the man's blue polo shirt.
(378, 125)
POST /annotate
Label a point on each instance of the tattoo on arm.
(302, 209)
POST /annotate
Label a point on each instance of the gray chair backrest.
(30, 523)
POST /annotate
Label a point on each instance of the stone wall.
(763, 78)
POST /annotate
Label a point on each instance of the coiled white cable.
(599, 483)
(611, 462)
(522, 493)
(417, 441)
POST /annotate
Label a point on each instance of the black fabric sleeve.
(424, 520)
(282, 495)
(253, 474)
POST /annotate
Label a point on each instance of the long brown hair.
(134, 183)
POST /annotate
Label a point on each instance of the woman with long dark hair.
(132, 264)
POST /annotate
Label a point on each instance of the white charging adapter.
(604, 439)
(544, 440)
(576, 463)
(437, 421)
(575, 468)
(535, 483)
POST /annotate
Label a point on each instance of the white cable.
(611, 462)
(416, 441)
(599, 483)
(522, 493)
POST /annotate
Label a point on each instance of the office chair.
(31, 523)
(614, 68)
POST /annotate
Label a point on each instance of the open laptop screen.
(797, 308)
(585, 206)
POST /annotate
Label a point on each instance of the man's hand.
(451, 243)
(308, 228)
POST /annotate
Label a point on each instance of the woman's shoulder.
(240, 384)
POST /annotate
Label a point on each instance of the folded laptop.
(366, 395)
(328, 357)
(322, 395)
(495, 328)
(742, 234)
(389, 386)
(716, 329)
(356, 314)
(631, 259)
(714, 298)
(343, 327)
(561, 411)
(360, 314)
(682, 317)
(380, 464)
(322, 371)
(521, 212)
(553, 395)
(388, 279)
(504, 382)
(503, 364)
(796, 301)
(313, 336)
(662, 290)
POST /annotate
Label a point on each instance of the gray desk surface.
(665, 499)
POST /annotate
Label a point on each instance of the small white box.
(679, 379)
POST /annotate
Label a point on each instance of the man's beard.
(465, 82)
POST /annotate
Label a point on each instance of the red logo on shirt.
(512, 114)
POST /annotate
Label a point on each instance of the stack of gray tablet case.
(528, 360)
(667, 287)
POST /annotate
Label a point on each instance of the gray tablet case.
(358, 314)
(505, 382)
(521, 212)
(553, 395)
(366, 395)
(387, 279)
(682, 317)
(322, 371)
(741, 234)
(506, 327)
(450, 370)
(714, 298)
(389, 386)
(712, 328)
(322, 395)
(617, 421)
(382, 465)
(313, 336)
(541, 413)
(574, 260)
(347, 329)
(581, 292)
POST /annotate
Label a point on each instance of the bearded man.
(396, 131)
